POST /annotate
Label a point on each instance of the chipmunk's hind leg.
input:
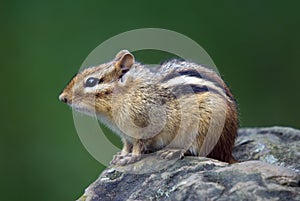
(172, 153)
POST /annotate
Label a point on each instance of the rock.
(274, 145)
(269, 171)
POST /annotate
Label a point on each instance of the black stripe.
(194, 73)
(189, 89)
(181, 90)
(199, 89)
(191, 73)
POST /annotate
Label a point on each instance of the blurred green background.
(255, 45)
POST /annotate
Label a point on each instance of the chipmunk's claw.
(116, 158)
(170, 154)
(125, 159)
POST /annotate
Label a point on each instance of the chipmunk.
(178, 106)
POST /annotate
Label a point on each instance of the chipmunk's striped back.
(182, 74)
(187, 79)
(181, 105)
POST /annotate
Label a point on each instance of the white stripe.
(98, 87)
(184, 80)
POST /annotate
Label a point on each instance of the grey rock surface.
(269, 170)
(274, 145)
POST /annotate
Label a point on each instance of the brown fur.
(150, 116)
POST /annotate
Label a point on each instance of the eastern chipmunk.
(180, 105)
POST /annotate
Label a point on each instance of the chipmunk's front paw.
(116, 158)
(170, 154)
(126, 159)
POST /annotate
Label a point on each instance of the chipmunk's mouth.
(82, 108)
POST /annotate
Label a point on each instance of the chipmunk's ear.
(124, 59)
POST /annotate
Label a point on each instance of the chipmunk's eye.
(91, 82)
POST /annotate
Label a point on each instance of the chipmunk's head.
(91, 90)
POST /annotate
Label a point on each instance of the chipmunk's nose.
(63, 98)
